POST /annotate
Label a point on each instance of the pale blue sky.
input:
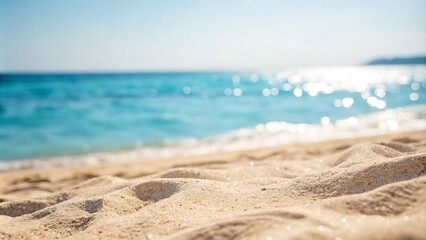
(113, 35)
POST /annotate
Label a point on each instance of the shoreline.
(270, 134)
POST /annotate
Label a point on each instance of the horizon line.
(159, 71)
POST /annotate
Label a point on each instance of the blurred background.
(190, 77)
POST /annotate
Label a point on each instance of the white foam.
(263, 135)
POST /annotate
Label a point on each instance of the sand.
(360, 188)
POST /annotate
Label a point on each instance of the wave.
(271, 134)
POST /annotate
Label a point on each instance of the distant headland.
(386, 61)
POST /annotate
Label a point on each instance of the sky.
(205, 35)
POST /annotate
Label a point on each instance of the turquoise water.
(71, 114)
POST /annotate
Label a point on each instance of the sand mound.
(374, 190)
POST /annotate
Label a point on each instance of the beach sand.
(359, 188)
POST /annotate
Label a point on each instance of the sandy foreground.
(360, 188)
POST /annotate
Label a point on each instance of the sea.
(167, 114)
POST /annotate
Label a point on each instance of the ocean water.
(167, 114)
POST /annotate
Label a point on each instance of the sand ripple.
(374, 190)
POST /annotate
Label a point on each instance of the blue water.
(69, 114)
